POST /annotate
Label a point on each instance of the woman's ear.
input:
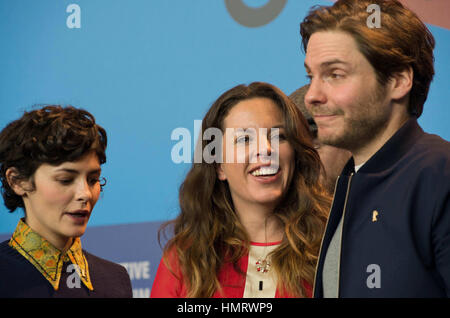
(19, 186)
(220, 173)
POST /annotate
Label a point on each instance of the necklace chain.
(263, 263)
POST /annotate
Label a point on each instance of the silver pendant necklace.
(263, 263)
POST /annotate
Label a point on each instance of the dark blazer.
(19, 278)
(396, 211)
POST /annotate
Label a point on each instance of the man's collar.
(395, 148)
(47, 259)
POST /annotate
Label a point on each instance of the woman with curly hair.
(249, 227)
(50, 167)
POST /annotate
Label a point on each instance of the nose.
(315, 94)
(83, 192)
(265, 148)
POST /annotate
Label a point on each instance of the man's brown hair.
(401, 41)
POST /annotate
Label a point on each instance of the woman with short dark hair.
(50, 166)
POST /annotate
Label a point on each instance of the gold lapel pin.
(374, 215)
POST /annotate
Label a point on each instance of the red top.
(167, 285)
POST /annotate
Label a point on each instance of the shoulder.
(426, 167)
(4, 248)
(431, 153)
(112, 278)
(427, 170)
(433, 144)
(106, 266)
(9, 256)
(169, 282)
(19, 278)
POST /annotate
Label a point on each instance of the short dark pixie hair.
(52, 135)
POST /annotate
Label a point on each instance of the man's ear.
(401, 83)
(220, 173)
(19, 186)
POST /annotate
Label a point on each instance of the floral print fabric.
(47, 259)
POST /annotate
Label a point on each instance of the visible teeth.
(263, 171)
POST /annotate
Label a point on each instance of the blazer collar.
(395, 148)
(46, 258)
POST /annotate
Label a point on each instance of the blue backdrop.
(144, 68)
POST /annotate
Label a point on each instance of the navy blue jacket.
(396, 220)
(20, 279)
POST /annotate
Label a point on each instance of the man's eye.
(336, 75)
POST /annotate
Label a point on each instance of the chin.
(331, 140)
(269, 198)
(75, 232)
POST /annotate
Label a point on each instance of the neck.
(260, 223)
(67, 245)
(363, 153)
(60, 242)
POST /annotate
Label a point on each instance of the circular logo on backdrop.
(254, 17)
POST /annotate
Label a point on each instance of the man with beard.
(388, 233)
(333, 158)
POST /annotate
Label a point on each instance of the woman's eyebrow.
(74, 171)
(245, 128)
(67, 170)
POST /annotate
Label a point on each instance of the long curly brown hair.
(208, 231)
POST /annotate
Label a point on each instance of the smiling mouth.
(265, 171)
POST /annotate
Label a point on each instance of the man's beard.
(365, 125)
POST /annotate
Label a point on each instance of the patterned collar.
(47, 259)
